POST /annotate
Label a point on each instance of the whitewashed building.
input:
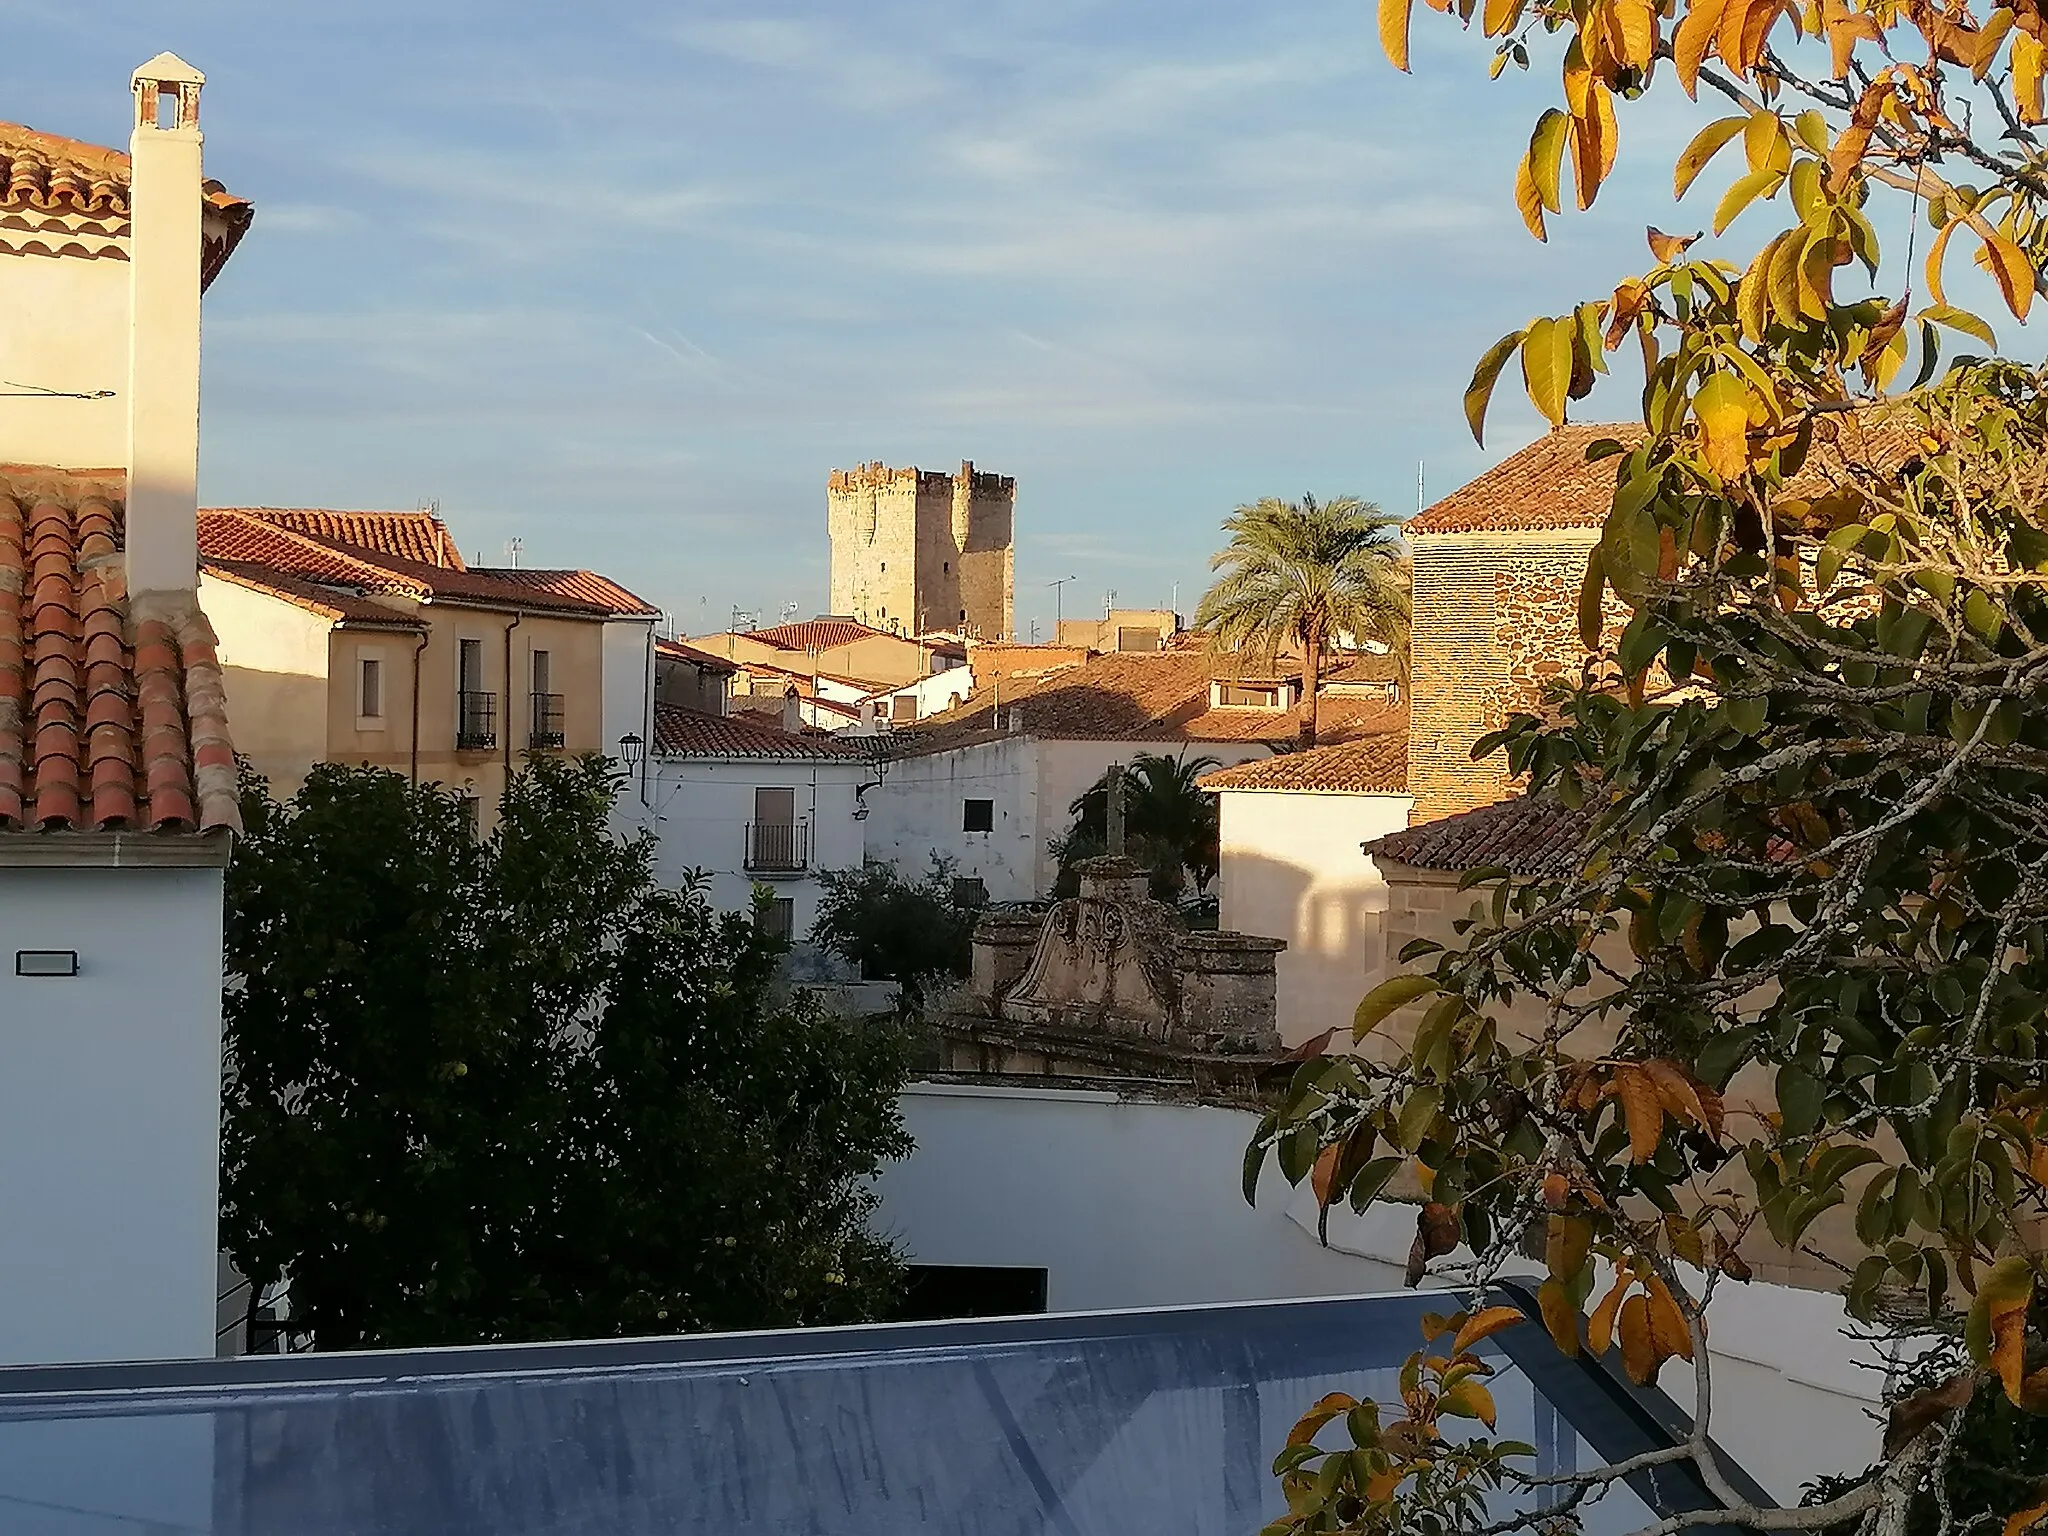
(745, 805)
(117, 778)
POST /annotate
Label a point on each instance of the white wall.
(1131, 1203)
(700, 815)
(1291, 869)
(627, 670)
(1124, 1204)
(919, 807)
(67, 329)
(274, 656)
(110, 1115)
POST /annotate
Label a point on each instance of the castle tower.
(916, 551)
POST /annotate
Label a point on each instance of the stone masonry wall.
(913, 550)
(1496, 619)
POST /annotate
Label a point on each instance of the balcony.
(476, 721)
(778, 847)
(547, 722)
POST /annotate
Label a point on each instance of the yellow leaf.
(1752, 293)
(1559, 1316)
(2027, 62)
(1640, 1106)
(1478, 394)
(1764, 142)
(1728, 32)
(1600, 1331)
(1667, 1323)
(1816, 271)
(1757, 22)
(2015, 274)
(1668, 248)
(1690, 42)
(1638, 1346)
(1593, 143)
(1721, 405)
(1636, 23)
(1546, 156)
(1844, 28)
(1529, 200)
(1323, 1176)
(1469, 1399)
(1854, 140)
(2028, 1518)
(1547, 365)
(1676, 1092)
(1996, 25)
(1578, 79)
(1500, 16)
(1395, 992)
(1484, 1325)
(1995, 1331)
(1742, 194)
(1394, 15)
(1784, 278)
(1935, 252)
(1706, 144)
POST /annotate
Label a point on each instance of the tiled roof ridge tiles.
(683, 732)
(1546, 484)
(325, 599)
(431, 542)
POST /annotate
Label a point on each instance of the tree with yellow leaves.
(1799, 960)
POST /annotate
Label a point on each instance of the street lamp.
(631, 749)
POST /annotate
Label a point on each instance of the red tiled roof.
(824, 634)
(1547, 485)
(1136, 696)
(233, 535)
(584, 586)
(680, 732)
(341, 606)
(417, 536)
(679, 651)
(70, 197)
(112, 716)
(1371, 765)
(1526, 837)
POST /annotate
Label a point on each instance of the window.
(902, 708)
(978, 816)
(970, 892)
(776, 840)
(370, 691)
(779, 921)
(547, 704)
(946, 566)
(476, 712)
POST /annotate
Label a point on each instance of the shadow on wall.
(1335, 932)
(280, 723)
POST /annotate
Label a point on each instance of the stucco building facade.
(917, 551)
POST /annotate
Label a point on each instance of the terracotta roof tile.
(584, 586)
(824, 634)
(344, 607)
(417, 536)
(113, 715)
(1547, 485)
(677, 650)
(1371, 765)
(65, 196)
(227, 534)
(1135, 696)
(1524, 836)
(680, 732)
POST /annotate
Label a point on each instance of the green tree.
(1812, 882)
(1308, 573)
(513, 1089)
(1170, 824)
(917, 934)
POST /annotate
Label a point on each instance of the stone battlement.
(881, 477)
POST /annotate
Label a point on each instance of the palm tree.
(1305, 574)
(1169, 823)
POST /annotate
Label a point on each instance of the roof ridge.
(354, 554)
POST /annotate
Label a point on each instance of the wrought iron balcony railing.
(778, 847)
(476, 721)
(547, 721)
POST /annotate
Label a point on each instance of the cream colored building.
(339, 646)
(1290, 867)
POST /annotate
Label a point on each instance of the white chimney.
(165, 200)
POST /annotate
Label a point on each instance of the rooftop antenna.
(1057, 612)
(1421, 484)
(514, 548)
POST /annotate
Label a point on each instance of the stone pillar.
(1227, 988)
(1003, 944)
(1114, 878)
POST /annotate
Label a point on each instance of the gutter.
(517, 617)
(425, 636)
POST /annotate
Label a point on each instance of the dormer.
(1253, 693)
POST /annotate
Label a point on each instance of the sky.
(626, 281)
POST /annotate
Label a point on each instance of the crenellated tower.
(917, 551)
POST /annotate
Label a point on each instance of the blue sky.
(625, 281)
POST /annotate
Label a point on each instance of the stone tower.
(917, 551)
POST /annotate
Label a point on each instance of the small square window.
(978, 816)
(779, 921)
(970, 892)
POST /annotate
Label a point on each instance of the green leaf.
(1412, 1125)
(1592, 615)
(1393, 993)
(1547, 365)
(1800, 1096)
(1723, 1054)
(1254, 1163)
(1372, 1178)
(1746, 715)
(1479, 393)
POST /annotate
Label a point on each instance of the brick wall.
(1496, 619)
